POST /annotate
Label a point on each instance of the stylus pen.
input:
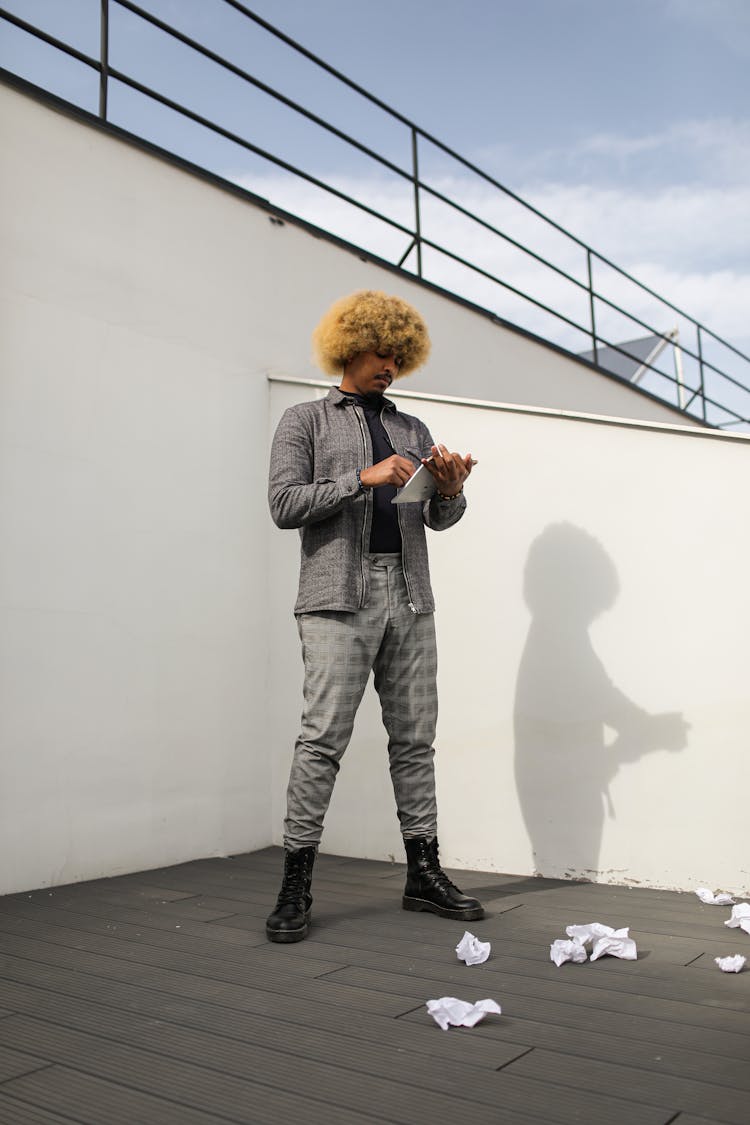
(438, 444)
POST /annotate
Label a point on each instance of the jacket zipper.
(364, 518)
(412, 606)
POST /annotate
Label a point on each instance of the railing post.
(417, 218)
(679, 374)
(591, 305)
(700, 371)
(104, 59)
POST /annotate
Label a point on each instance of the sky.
(627, 123)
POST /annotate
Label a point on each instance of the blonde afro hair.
(370, 321)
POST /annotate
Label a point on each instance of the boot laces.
(294, 885)
(436, 874)
(441, 880)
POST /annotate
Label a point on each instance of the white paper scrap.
(615, 945)
(594, 930)
(731, 964)
(710, 899)
(471, 950)
(561, 951)
(740, 917)
(449, 1011)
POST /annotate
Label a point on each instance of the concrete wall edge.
(537, 411)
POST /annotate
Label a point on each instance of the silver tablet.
(420, 487)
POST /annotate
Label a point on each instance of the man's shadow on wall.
(564, 762)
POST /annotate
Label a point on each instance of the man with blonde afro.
(365, 601)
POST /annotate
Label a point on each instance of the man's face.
(370, 373)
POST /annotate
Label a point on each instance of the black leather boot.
(290, 920)
(429, 888)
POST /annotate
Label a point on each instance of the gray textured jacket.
(317, 449)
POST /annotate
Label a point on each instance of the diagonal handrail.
(470, 165)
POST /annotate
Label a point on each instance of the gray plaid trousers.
(339, 650)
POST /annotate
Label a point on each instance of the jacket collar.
(338, 398)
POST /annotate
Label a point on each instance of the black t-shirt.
(385, 533)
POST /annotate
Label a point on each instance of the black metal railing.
(583, 317)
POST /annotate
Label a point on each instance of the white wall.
(132, 511)
(141, 309)
(592, 602)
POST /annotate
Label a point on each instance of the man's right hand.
(394, 470)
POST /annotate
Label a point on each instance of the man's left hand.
(449, 470)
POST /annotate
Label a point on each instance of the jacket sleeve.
(439, 514)
(295, 499)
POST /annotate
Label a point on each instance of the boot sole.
(287, 936)
(417, 904)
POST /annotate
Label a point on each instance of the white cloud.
(709, 151)
(685, 227)
(716, 151)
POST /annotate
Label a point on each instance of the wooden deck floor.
(154, 999)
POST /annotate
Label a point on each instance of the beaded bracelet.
(359, 482)
(455, 496)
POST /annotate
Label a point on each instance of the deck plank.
(661, 1089)
(243, 1016)
(634, 1002)
(262, 1086)
(14, 1063)
(154, 997)
(15, 1112)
